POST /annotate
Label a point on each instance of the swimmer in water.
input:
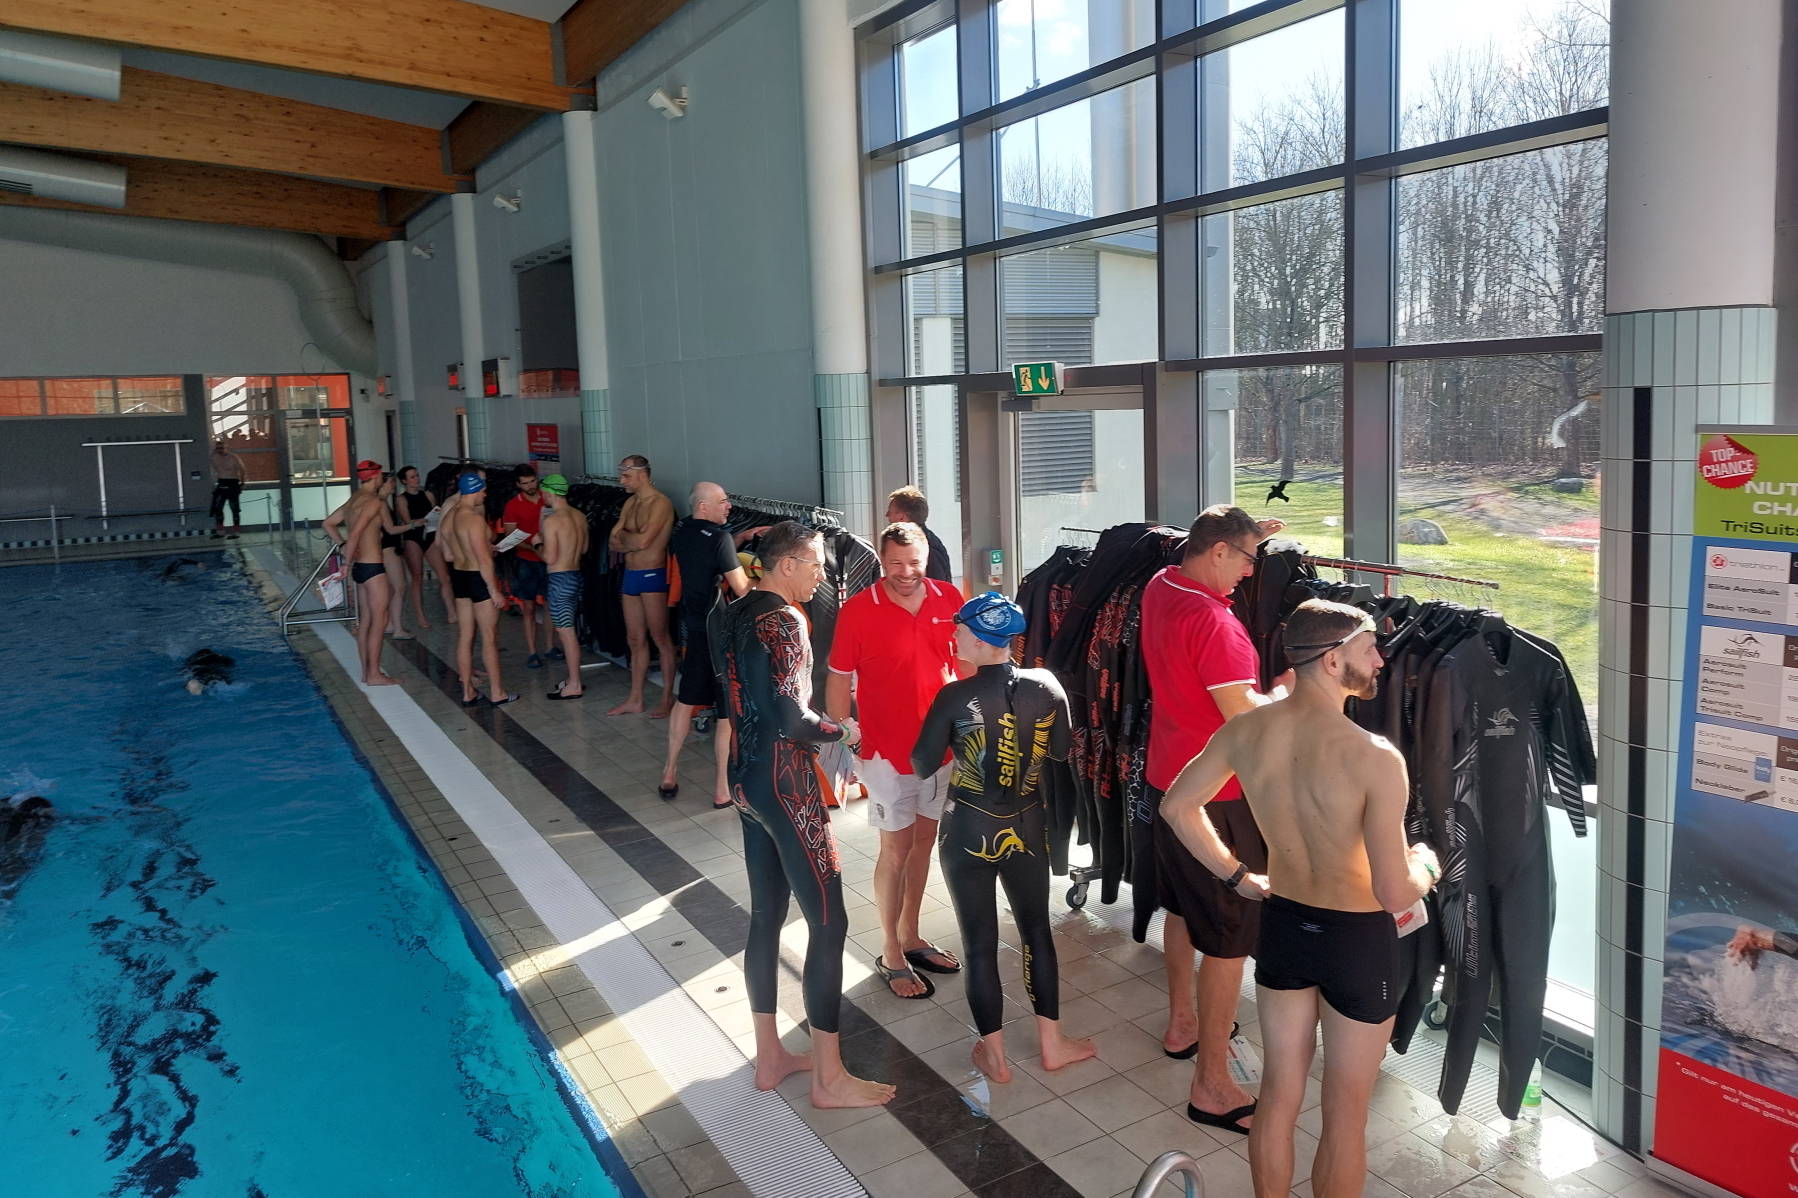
(206, 668)
(173, 570)
(1747, 945)
(16, 817)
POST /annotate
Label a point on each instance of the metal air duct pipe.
(60, 64)
(60, 177)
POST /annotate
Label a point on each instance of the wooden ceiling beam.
(399, 206)
(166, 116)
(449, 46)
(480, 130)
(223, 196)
(596, 33)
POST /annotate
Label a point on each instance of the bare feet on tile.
(771, 1069)
(1060, 1051)
(847, 1090)
(991, 1062)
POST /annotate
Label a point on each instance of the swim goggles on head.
(1366, 625)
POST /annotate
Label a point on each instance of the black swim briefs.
(469, 585)
(1350, 956)
(363, 571)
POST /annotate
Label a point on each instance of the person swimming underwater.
(206, 668)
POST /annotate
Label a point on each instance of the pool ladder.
(342, 612)
(1164, 1167)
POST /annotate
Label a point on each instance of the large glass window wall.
(1391, 294)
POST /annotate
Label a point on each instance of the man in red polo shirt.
(1203, 670)
(530, 577)
(896, 641)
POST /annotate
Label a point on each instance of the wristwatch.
(1235, 879)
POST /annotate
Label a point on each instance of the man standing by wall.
(1203, 671)
(564, 545)
(907, 505)
(896, 641)
(227, 487)
(357, 527)
(641, 534)
(468, 543)
(529, 574)
(705, 552)
(787, 844)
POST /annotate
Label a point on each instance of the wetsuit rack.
(806, 513)
(1388, 572)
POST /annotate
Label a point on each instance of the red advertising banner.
(543, 442)
(1730, 1131)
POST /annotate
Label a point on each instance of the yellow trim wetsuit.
(1002, 724)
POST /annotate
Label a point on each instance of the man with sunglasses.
(1203, 671)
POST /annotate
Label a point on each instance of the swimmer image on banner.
(1727, 1091)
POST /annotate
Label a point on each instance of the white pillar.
(833, 210)
(580, 131)
(1689, 340)
(468, 300)
(399, 354)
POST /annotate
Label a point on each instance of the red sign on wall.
(543, 442)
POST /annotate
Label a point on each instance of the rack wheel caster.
(1435, 1016)
(1077, 895)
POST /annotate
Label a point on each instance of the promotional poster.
(1727, 1098)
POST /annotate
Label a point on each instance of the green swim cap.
(555, 484)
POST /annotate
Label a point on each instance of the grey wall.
(42, 462)
(436, 338)
(703, 239)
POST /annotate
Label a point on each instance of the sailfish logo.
(1004, 844)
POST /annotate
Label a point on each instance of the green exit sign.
(1036, 378)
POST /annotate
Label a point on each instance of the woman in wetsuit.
(414, 504)
(766, 663)
(1001, 725)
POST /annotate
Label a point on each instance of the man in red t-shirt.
(530, 577)
(1203, 670)
(896, 642)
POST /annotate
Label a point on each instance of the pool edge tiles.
(756, 1132)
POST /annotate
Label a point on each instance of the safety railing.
(334, 591)
(1166, 1166)
(55, 533)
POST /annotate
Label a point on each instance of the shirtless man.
(358, 525)
(434, 549)
(468, 541)
(1329, 798)
(563, 541)
(641, 534)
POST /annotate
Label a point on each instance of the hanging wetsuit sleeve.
(1563, 727)
(1061, 736)
(785, 660)
(933, 738)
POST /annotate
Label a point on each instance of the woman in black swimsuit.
(1001, 727)
(415, 503)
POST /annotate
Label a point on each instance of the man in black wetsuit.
(1329, 797)
(1004, 725)
(787, 844)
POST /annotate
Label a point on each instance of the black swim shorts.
(697, 683)
(1221, 922)
(1350, 956)
(469, 585)
(363, 571)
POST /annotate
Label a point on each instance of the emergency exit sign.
(1036, 378)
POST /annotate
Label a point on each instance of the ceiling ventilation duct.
(60, 64)
(59, 177)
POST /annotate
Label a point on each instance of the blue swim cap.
(992, 617)
(471, 483)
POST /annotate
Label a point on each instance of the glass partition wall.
(1360, 244)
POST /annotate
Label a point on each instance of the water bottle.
(1532, 1096)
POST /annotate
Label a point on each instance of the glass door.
(293, 434)
(318, 462)
(1079, 467)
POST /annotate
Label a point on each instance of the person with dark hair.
(787, 844)
(564, 544)
(530, 577)
(1331, 798)
(413, 505)
(206, 669)
(907, 505)
(894, 646)
(1203, 671)
(641, 534)
(227, 488)
(1000, 728)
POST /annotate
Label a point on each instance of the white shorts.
(896, 800)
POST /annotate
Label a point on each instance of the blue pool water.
(225, 967)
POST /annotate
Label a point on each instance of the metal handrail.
(322, 615)
(1165, 1166)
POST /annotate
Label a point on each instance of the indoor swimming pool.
(226, 968)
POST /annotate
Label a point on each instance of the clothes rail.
(1389, 571)
(805, 512)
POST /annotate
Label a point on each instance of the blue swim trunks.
(564, 596)
(645, 582)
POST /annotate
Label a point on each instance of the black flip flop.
(887, 976)
(919, 958)
(1228, 1121)
(724, 806)
(1187, 1053)
(501, 702)
(557, 695)
(476, 701)
(667, 792)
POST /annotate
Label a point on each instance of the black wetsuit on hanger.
(1004, 725)
(766, 666)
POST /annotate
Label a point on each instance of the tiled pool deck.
(673, 875)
